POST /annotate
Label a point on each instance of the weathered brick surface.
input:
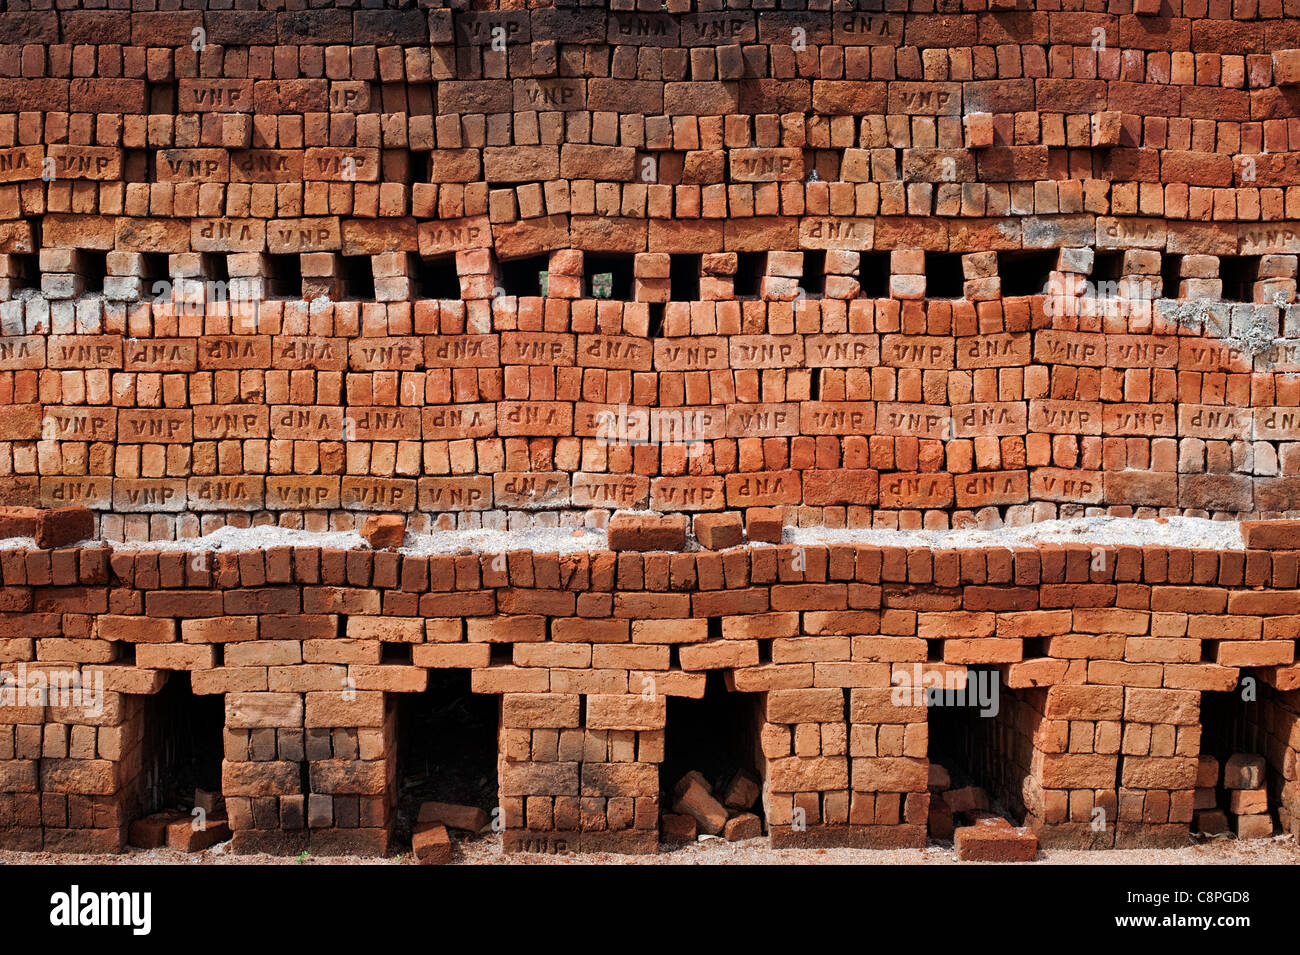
(1099, 713)
(504, 268)
(793, 260)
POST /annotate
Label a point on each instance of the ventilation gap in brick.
(1238, 789)
(750, 269)
(447, 754)
(285, 278)
(524, 277)
(23, 272)
(156, 267)
(873, 274)
(1107, 266)
(181, 750)
(216, 267)
(358, 278)
(655, 325)
(815, 384)
(813, 281)
(973, 774)
(944, 277)
(608, 276)
(1170, 268)
(1239, 274)
(436, 278)
(1026, 272)
(94, 268)
(684, 278)
(710, 773)
(395, 653)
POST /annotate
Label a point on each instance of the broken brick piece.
(678, 827)
(431, 843)
(941, 824)
(1258, 826)
(990, 843)
(744, 826)
(384, 530)
(742, 791)
(60, 526)
(465, 818)
(210, 802)
(647, 532)
(696, 802)
(966, 799)
(151, 831)
(719, 531)
(1210, 821)
(1248, 802)
(764, 524)
(1243, 771)
(183, 836)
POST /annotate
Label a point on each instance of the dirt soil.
(1280, 850)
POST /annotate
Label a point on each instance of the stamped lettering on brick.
(154, 426)
(687, 494)
(303, 235)
(73, 423)
(527, 489)
(214, 96)
(86, 162)
(217, 422)
(825, 232)
(136, 494)
(455, 493)
(266, 165)
(558, 95)
(452, 422)
(160, 355)
(378, 494)
(302, 493)
(766, 165)
(19, 163)
(22, 351)
(241, 493)
(762, 421)
(92, 492)
(989, 417)
(837, 417)
(193, 165)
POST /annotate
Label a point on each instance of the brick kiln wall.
(281, 266)
(1105, 663)
(821, 226)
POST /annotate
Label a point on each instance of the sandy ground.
(1280, 850)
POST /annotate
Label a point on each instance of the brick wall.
(795, 249)
(503, 268)
(1103, 665)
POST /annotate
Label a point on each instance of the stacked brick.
(584, 649)
(284, 265)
